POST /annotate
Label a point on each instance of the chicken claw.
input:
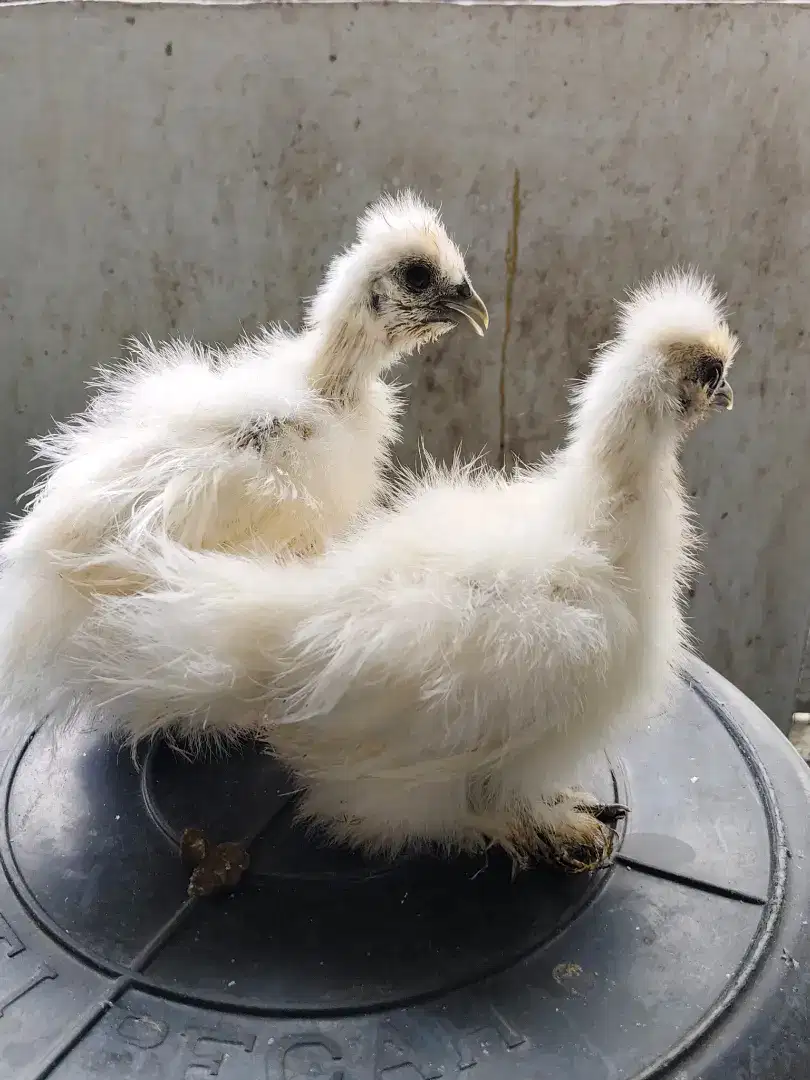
(608, 813)
(584, 839)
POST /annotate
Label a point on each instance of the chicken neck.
(348, 358)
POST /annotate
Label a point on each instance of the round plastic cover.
(687, 959)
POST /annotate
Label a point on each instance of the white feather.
(439, 675)
(273, 445)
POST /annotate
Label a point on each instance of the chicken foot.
(573, 831)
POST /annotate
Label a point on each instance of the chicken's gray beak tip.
(474, 311)
(724, 397)
(482, 325)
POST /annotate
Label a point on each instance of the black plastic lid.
(687, 959)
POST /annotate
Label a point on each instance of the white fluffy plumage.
(273, 445)
(437, 677)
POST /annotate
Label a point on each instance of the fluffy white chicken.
(274, 445)
(438, 677)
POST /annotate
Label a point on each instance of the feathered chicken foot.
(573, 832)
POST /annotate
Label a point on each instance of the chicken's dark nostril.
(464, 292)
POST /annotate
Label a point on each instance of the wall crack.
(511, 260)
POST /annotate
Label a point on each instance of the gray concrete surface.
(190, 169)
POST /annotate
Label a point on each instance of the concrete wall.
(181, 168)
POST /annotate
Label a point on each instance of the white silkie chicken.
(273, 445)
(437, 678)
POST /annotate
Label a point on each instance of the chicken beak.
(723, 396)
(473, 309)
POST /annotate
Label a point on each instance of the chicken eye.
(714, 381)
(711, 373)
(417, 276)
